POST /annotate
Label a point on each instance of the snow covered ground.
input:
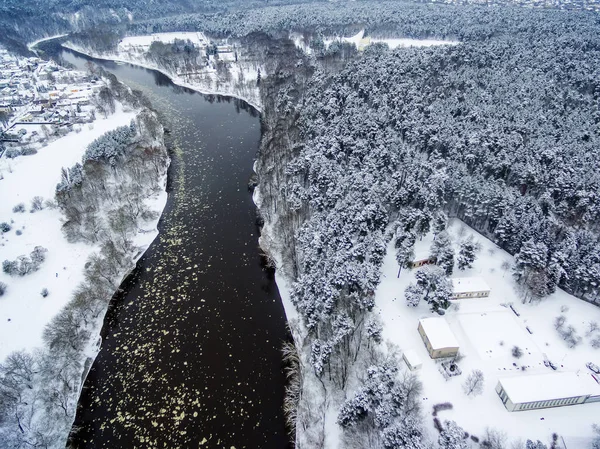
(144, 42)
(361, 42)
(23, 311)
(242, 81)
(487, 330)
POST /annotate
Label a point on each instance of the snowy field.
(23, 311)
(487, 330)
(144, 42)
(243, 75)
(360, 41)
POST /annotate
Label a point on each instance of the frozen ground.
(487, 330)
(145, 41)
(23, 311)
(241, 82)
(360, 41)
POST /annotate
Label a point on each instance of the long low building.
(537, 391)
(438, 337)
(474, 287)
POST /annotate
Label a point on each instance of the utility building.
(547, 390)
(474, 287)
(438, 337)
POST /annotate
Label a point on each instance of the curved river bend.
(191, 351)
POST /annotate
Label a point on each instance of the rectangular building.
(422, 258)
(438, 337)
(537, 391)
(412, 359)
(473, 287)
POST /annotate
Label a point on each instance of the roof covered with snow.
(411, 356)
(545, 387)
(438, 333)
(467, 285)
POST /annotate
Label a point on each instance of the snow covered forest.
(107, 201)
(500, 131)
(360, 150)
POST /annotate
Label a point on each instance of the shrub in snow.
(25, 265)
(44, 292)
(18, 232)
(474, 383)
(10, 267)
(19, 208)
(494, 439)
(595, 343)
(517, 352)
(12, 153)
(5, 227)
(441, 407)
(2, 288)
(593, 327)
(28, 151)
(535, 445)
(37, 203)
(567, 333)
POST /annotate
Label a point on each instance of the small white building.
(412, 359)
(537, 391)
(473, 287)
(438, 337)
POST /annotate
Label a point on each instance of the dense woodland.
(501, 131)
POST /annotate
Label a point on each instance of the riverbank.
(252, 100)
(54, 313)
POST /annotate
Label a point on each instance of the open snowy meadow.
(24, 312)
(488, 330)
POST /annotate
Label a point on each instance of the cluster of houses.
(36, 93)
(517, 393)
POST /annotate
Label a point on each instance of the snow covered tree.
(530, 270)
(405, 252)
(536, 445)
(596, 441)
(467, 253)
(414, 294)
(406, 434)
(354, 409)
(452, 436)
(440, 222)
(433, 286)
(473, 385)
(441, 249)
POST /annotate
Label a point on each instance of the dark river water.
(191, 352)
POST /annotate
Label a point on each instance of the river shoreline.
(174, 78)
(128, 305)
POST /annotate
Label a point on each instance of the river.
(191, 351)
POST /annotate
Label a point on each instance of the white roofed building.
(547, 390)
(438, 337)
(473, 287)
(412, 359)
